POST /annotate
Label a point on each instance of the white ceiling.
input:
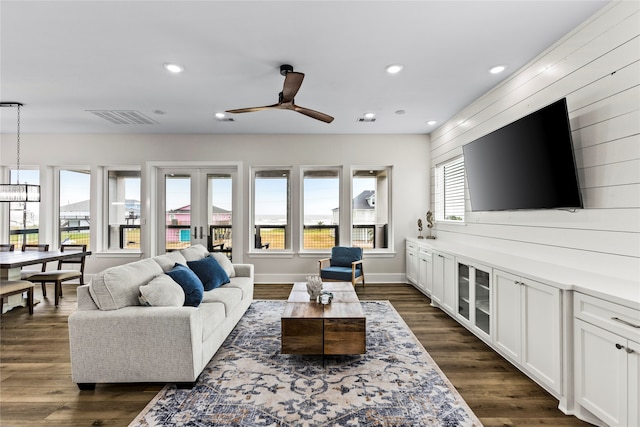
(62, 58)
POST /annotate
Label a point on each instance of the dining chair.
(63, 275)
(4, 247)
(26, 273)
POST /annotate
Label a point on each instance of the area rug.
(250, 383)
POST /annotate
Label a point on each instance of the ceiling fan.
(292, 83)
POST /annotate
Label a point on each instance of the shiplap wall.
(596, 67)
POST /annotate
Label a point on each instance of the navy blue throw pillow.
(210, 273)
(191, 285)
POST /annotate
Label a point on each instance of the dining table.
(12, 262)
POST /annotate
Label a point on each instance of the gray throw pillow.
(225, 263)
(161, 291)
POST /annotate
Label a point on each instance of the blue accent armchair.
(345, 265)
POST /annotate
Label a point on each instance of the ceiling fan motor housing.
(286, 68)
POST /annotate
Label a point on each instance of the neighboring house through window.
(371, 208)
(123, 205)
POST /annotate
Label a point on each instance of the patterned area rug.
(249, 383)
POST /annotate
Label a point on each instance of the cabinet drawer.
(425, 254)
(616, 318)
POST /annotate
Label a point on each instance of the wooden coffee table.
(312, 328)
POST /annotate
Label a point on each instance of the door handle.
(195, 233)
(201, 233)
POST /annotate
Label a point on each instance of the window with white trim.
(320, 207)
(123, 206)
(449, 195)
(271, 208)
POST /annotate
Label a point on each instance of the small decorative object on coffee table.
(325, 298)
(314, 287)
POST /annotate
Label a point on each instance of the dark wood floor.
(36, 387)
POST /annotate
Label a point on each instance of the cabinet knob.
(630, 350)
(619, 346)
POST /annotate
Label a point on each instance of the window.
(370, 208)
(24, 221)
(321, 208)
(74, 207)
(271, 209)
(123, 225)
(450, 191)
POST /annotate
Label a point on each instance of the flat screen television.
(527, 164)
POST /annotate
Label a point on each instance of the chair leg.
(30, 300)
(58, 291)
(44, 289)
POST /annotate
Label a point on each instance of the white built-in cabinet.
(443, 294)
(473, 304)
(528, 326)
(582, 349)
(607, 360)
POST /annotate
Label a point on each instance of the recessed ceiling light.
(220, 115)
(431, 122)
(369, 115)
(394, 68)
(174, 68)
(497, 69)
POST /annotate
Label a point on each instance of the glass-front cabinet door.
(463, 291)
(482, 300)
(474, 296)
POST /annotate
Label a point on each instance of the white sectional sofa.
(115, 339)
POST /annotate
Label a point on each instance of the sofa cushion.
(119, 286)
(209, 272)
(230, 297)
(225, 263)
(212, 316)
(194, 253)
(168, 260)
(245, 284)
(161, 291)
(191, 285)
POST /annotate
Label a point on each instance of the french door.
(196, 206)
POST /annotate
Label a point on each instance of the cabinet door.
(411, 262)
(633, 355)
(508, 314)
(464, 292)
(601, 373)
(482, 299)
(437, 294)
(424, 271)
(541, 340)
(449, 285)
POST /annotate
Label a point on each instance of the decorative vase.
(314, 287)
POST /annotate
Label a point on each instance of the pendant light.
(18, 192)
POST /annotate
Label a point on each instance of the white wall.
(407, 154)
(596, 67)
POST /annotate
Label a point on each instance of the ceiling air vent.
(124, 117)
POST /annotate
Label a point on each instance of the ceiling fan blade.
(292, 83)
(252, 109)
(314, 114)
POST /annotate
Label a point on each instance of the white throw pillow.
(194, 253)
(118, 286)
(225, 263)
(162, 291)
(168, 260)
